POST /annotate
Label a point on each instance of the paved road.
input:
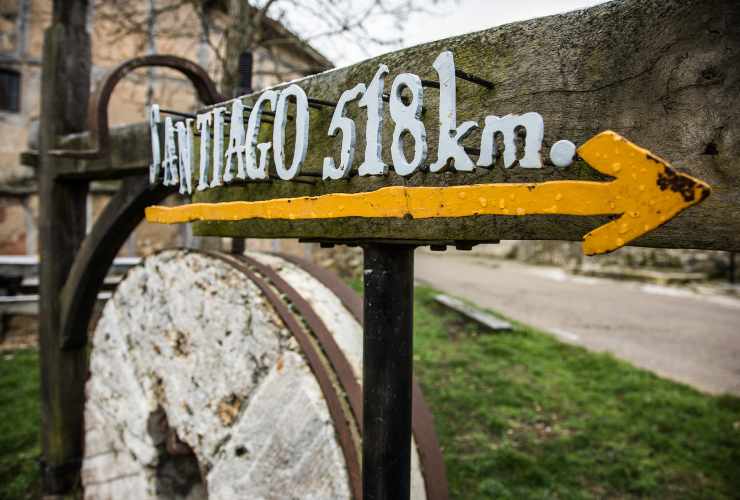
(676, 333)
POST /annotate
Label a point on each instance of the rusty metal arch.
(125, 210)
(119, 219)
(97, 118)
(275, 288)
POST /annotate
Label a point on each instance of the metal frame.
(375, 437)
(73, 266)
(126, 209)
(76, 294)
(387, 368)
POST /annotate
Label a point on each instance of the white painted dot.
(562, 153)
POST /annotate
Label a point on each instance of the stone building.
(119, 31)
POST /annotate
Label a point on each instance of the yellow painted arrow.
(646, 192)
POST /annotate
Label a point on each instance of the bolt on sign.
(285, 164)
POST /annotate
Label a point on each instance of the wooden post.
(64, 95)
(387, 371)
(731, 268)
(238, 245)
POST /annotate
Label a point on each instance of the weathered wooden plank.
(662, 73)
(130, 152)
(487, 320)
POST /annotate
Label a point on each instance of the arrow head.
(646, 191)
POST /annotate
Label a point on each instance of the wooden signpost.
(640, 190)
(517, 132)
(645, 191)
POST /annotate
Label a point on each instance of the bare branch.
(287, 31)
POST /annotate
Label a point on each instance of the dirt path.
(676, 333)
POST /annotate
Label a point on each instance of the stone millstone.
(198, 390)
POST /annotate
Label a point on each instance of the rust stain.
(228, 409)
(682, 184)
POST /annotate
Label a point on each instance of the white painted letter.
(507, 126)
(301, 132)
(450, 134)
(154, 166)
(373, 101)
(203, 123)
(407, 119)
(253, 130)
(170, 154)
(185, 152)
(236, 142)
(347, 126)
(218, 145)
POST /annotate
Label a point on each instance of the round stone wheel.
(232, 377)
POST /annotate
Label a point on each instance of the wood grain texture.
(664, 74)
(65, 88)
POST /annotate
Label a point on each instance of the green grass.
(519, 415)
(19, 425)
